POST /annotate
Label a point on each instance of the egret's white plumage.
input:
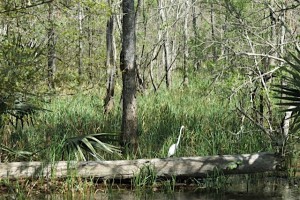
(173, 148)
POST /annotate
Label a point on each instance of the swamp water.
(264, 189)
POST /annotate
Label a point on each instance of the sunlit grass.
(212, 125)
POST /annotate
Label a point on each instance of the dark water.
(267, 189)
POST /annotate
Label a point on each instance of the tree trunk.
(166, 44)
(283, 31)
(51, 47)
(212, 21)
(154, 56)
(128, 69)
(80, 45)
(196, 36)
(138, 60)
(90, 45)
(273, 36)
(288, 114)
(185, 45)
(110, 64)
(183, 167)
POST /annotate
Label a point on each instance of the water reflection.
(267, 189)
(287, 193)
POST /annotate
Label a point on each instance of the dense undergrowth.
(212, 124)
(212, 127)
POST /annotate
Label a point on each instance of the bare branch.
(253, 121)
(27, 6)
(252, 80)
(262, 55)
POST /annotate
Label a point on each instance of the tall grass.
(70, 116)
(212, 125)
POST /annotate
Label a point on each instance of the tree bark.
(90, 45)
(288, 114)
(183, 167)
(110, 64)
(273, 36)
(185, 45)
(51, 47)
(128, 69)
(213, 36)
(196, 35)
(166, 44)
(80, 38)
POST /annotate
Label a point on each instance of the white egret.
(174, 146)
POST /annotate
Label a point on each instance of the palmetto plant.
(90, 145)
(16, 153)
(21, 61)
(289, 92)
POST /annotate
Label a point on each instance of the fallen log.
(183, 167)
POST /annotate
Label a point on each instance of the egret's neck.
(179, 136)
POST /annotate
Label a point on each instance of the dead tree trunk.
(184, 167)
(110, 64)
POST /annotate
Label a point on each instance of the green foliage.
(21, 64)
(77, 128)
(146, 177)
(212, 126)
(289, 94)
(77, 122)
(74, 130)
(233, 165)
(21, 61)
(83, 146)
(237, 7)
(169, 185)
(290, 91)
(16, 153)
